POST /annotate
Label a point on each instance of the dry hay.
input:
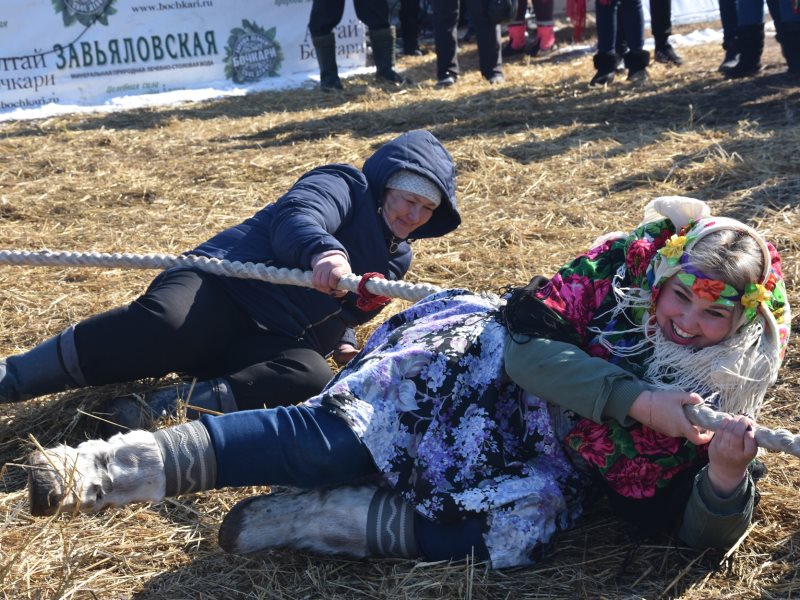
(545, 165)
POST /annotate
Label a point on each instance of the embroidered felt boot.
(325, 48)
(606, 65)
(50, 367)
(751, 45)
(383, 52)
(355, 521)
(139, 466)
(142, 411)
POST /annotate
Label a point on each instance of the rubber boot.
(50, 367)
(383, 52)
(516, 40)
(138, 466)
(142, 411)
(636, 61)
(354, 521)
(545, 43)
(325, 48)
(606, 65)
(751, 45)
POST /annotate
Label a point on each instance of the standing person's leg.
(637, 58)
(325, 15)
(445, 37)
(661, 26)
(750, 37)
(605, 60)
(517, 31)
(786, 16)
(730, 43)
(375, 15)
(545, 33)
(487, 34)
(409, 23)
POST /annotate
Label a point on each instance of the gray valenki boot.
(383, 52)
(139, 466)
(49, 367)
(325, 48)
(354, 521)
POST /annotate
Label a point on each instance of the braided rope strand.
(281, 275)
(780, 440)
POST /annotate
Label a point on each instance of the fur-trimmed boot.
(50, 367)
(139, 466)
(383, 52)
(606, 65)
(354, 521)
(325, 49)
(636, 62)
(750, 39)
(142, 411)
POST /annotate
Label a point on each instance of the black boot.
(325, 47)
(50, 367)
(383, 52)
(141, 411)
(636, 61)
(751, 44)
(606, 65)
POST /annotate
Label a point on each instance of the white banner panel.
(85, 52)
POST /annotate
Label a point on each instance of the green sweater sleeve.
(710, 521)
(563, 374)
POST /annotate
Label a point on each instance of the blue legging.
(308, 447)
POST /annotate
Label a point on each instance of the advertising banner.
(85, 52)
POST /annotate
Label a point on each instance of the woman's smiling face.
(405, 211)
(686, 319)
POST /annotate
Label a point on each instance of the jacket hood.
(418, 151)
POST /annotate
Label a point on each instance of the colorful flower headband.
(703, 286)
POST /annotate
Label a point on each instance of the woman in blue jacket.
(249, 343)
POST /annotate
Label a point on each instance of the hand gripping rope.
(780, 440)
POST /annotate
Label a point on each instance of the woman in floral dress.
(478, 424)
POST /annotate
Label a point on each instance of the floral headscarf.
(659, 249)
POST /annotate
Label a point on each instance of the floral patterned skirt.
(429, 397)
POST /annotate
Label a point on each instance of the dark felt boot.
(636, 62)
(606, 65)
(750, 39)
(790, 46)
(142, 411)
(383, 52)
(50, 367)
(325, 48)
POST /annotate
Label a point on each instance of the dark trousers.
(445, 34)
(326, 14)
(187, 323)
(409, 25)
(660, 25)
(308, 447)
(632, 19)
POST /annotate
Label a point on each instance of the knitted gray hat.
(408, 181)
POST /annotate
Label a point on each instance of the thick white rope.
(779, 440)
(280, 275)
(701, 415)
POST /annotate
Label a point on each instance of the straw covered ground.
(546, 164)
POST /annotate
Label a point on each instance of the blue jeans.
(632, 20)
(308, 447)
